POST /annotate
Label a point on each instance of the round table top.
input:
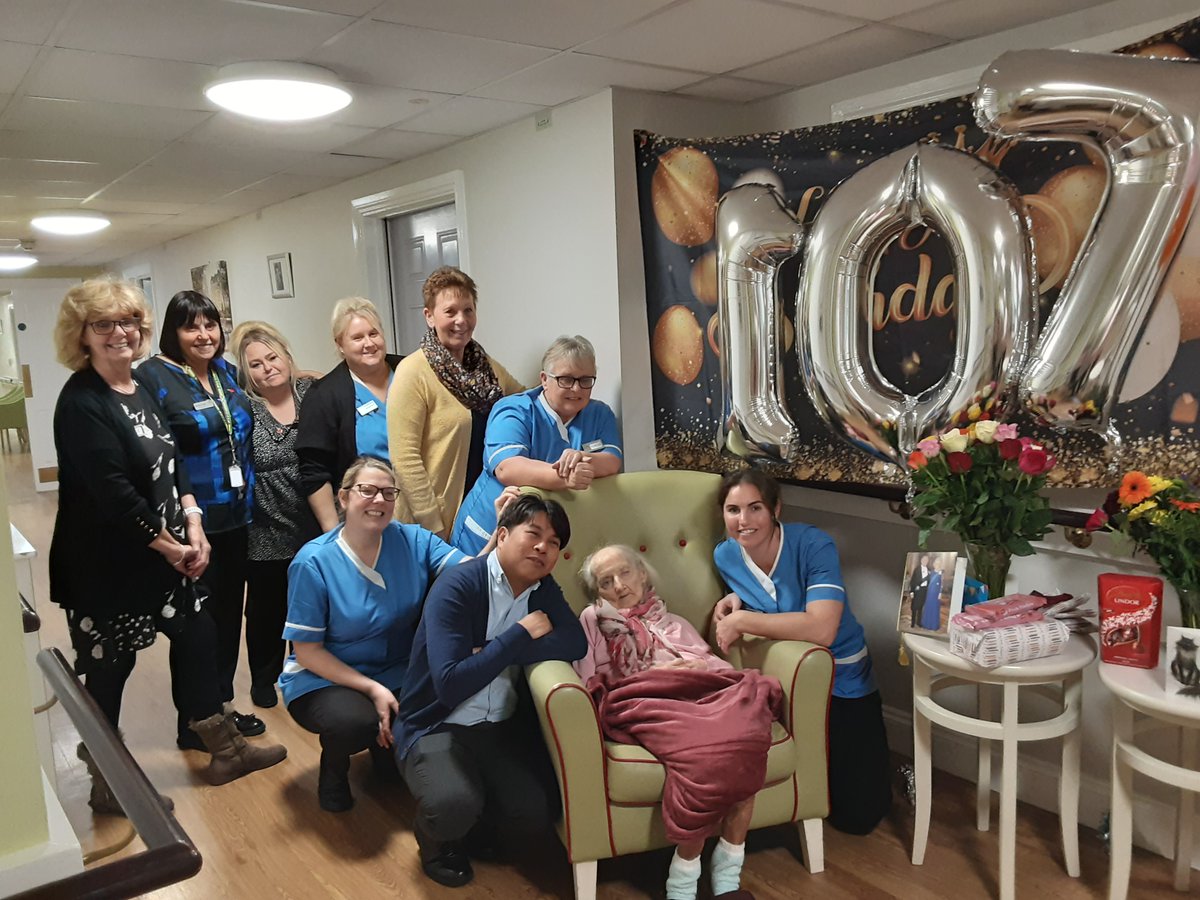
(1146, 690)
(1078, 654)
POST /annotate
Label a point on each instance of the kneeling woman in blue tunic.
(354, 597)
(786, 584)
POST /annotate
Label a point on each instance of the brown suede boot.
(102, 799)
(232, 757)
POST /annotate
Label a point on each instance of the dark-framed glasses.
(106, 326)
(568, 382)
(368, 492)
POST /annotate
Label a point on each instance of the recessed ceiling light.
(278, 92)
(70, 222)
(16, 261)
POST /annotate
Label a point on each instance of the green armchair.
(611, 792)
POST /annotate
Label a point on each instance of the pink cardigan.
(678, 631)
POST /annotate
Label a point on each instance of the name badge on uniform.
(367, 408)
(593, 446)
(235, 477)
(200, 405)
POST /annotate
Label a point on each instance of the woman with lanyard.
(345, 413)
(786, 584)
(210, 418)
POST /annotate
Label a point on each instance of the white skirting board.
(59, 857)
(1037, 784)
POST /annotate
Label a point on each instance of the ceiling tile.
(723, 87)
(154, 193)
(342, 7)
(72, 145)
(715, 36)
(58, 170)
(866, 9)
(227, 130)
(199, 31)
(376, 106)
(138, 206)
(341, 165)
(470, 115)
(96, 117)
(963, 19)
(78, 75)
(31, 21)
(543, 23)
(398, 56)
(394, 145)
(78, 190)
(214, 183)
(569, 76)
(842, 54)
(15, 60)
(213, 158)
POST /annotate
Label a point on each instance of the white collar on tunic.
(364, 570)
(562, 426)
(764, 578)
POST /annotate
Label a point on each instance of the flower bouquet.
(983, 482)
(1162, 518)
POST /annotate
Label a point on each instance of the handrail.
(30, 620)
(170, 855)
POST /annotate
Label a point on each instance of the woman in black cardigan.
(128, 540)
(345, 413)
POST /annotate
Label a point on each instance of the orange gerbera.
(1135, 487)
(1185, 505)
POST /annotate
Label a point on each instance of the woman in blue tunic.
(786, 584)
(354, 597)
(931, 612)
(553, 437)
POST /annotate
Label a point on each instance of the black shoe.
(249, 725)
(333, 793)
(450, 867)
(189, 740)
(264, 695)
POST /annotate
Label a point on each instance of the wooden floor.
(265, 837)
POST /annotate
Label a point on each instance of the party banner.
(913, 316)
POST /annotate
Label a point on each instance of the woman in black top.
(209, 415)
(124, 499)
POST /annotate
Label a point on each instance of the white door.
(418, 243)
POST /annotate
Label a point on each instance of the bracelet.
(193, 511)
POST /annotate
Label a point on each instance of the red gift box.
(1130, 619)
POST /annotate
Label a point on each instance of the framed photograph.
(279, 270)
(1183, 667)
(932, 591)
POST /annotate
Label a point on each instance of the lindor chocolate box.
(1130, 619)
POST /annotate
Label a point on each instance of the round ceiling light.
(278, 92)
(16, 261)
(70, 222)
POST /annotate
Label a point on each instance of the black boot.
(333, 783)
(444, 861)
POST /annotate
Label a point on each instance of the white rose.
(953, 441)
(985, 432)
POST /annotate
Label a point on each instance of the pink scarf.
(634, 635)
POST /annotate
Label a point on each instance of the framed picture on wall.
(279, 270)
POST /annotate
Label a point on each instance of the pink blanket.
(710, 730)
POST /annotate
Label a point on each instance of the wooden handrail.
(169, 857)
(30, 620)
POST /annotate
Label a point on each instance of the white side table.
(1141, 691)
(935, 667)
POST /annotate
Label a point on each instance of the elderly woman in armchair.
(649, 671)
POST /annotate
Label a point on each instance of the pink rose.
(1035, 461)
(1006, 433)
(931, 447)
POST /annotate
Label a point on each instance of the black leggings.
(344, 718)
(193, 651)
(266, 610)
(860, 786)
(225, 579)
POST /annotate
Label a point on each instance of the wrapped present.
(991, 647)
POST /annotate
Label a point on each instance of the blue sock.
(726, 864)
(682, 878)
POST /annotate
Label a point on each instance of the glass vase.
(1189, 606)
(989, 564)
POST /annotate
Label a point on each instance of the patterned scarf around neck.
(634, 635)
(472, 382)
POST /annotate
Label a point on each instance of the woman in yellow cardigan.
(438, 405)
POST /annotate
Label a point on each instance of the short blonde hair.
(256, 331)
(360, 465)
(92, 300)
(576, 349)
(588, 576)
(349, 307)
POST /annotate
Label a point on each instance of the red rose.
(959, 463)
(1010, 449)
(917, 460)
(1096, 521)
(1034, 460)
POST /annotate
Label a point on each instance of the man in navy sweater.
(465, 758)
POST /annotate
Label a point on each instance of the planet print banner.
(913, 317)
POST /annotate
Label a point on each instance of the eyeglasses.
(567, 382)
(368, 492)
(106, 326)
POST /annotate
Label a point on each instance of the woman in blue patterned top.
(210, 418)
(786, 584)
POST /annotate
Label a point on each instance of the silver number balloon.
(1142, 115)
(980, 216)
(756, 234)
